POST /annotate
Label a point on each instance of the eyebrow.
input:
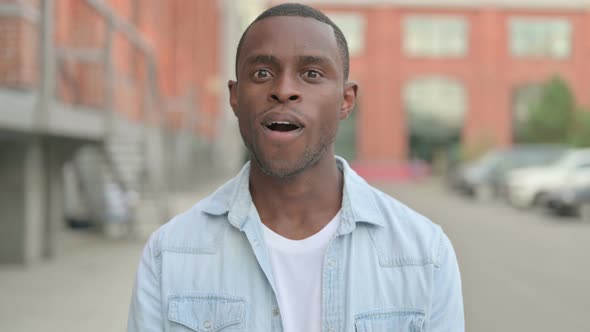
(303, 60)
(262, 59)
(314, 60)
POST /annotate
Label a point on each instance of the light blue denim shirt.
(387, 268)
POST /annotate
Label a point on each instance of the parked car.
(529, 186)
(486, 177)
(567, 201)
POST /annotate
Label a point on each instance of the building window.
(435, 101)
(352, 26)
(435, 36)
(435, 110)
(540, 37)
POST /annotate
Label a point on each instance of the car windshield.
(571, 159)
(529, 156)
(543, 157)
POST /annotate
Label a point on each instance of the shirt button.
(276, 311)
(256, 243)
(331, 330)
(207, 324)
(331, 262)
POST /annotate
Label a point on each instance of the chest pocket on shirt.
(390, 320)
(206, 313)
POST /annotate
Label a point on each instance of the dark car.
(486, 177)
(567, 201)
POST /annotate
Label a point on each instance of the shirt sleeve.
(145, 312)
(447, 303)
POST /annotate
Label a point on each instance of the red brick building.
(138, 81)
(180, 37)
(484, 55)
(145, 81)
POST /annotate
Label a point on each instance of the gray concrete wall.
(35, 213)
(22, 174)
(31, 191)
(12, 203)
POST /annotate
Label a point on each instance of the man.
(297, 241)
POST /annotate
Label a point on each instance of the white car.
(527, 186)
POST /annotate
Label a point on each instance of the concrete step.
(127, 155)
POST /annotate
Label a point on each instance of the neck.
(298, 206)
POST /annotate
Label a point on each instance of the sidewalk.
(86, 288)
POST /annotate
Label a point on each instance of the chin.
(281, 169)
(283, 166)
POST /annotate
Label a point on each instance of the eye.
(261, 74)
(312, 74)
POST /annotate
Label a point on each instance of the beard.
(284, 169)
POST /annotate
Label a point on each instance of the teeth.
(282, 126)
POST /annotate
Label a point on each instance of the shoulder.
(192, 231)
(200, 228)
(406, 237)
(401, 235)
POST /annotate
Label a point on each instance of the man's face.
(290, 94)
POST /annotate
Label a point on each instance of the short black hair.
(295, 9)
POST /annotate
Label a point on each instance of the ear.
(350, 91)
(233, 95)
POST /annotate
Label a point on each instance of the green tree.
(550, 118)
(579, 135)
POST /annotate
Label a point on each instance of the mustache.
(282, 109)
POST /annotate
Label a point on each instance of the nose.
(285, 90)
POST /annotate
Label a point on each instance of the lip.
(281, 136)
(281, 115)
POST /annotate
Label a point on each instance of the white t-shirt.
(297, 268)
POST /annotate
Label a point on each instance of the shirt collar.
(358, 201)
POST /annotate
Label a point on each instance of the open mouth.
(282, 126)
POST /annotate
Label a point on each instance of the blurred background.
(114, 116)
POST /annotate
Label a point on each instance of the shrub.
(550, 118)
(579, 135)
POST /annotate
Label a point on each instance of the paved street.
(87, 288)
(521, 271)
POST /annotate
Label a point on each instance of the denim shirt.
(387, 268)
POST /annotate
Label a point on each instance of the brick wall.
(184, 41)
(488, 73)
(185, 35)
(18, 47)
(79, 27)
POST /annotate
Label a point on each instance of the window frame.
(536, 23)
(437, 51)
